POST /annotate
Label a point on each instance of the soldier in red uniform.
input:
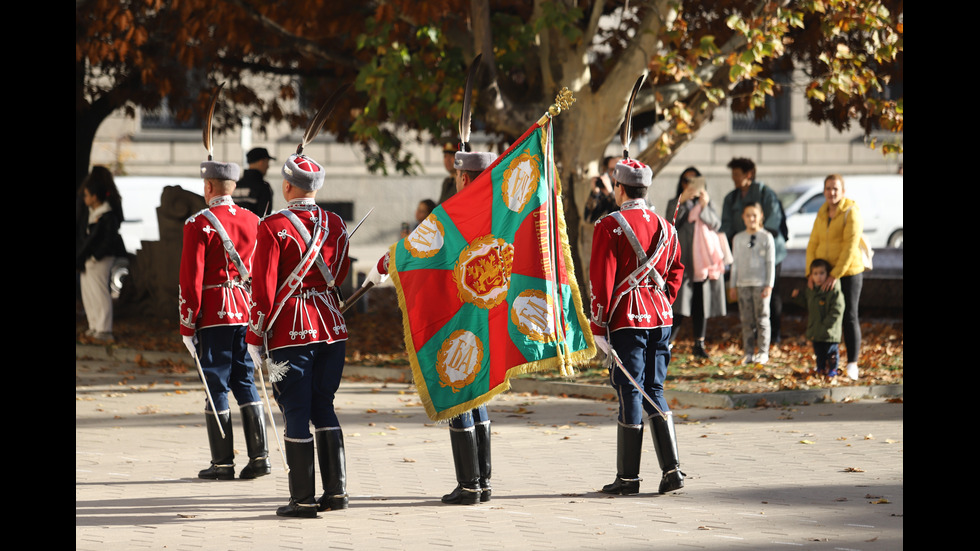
(635, 273)
(300, 261)
(469, 432)
(214, 298)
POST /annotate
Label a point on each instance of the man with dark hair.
(635, 272)
(748, 190)
(449, 182)
(601, 201)
(253, 192)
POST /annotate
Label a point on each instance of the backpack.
(783, 228)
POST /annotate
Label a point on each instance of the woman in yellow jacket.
(836, 238)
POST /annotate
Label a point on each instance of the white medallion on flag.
(459, 359)
(427, 239)
(482, 272)
(520, 181)
(533, 313)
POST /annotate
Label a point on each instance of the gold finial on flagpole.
(563, 101)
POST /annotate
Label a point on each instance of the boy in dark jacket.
(825, 315)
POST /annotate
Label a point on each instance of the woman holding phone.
(702, 292)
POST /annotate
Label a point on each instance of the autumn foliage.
(376, 339)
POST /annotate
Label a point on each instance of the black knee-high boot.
(629, 444)
(222, 449)
(483, 457)
(253, 424)
(665, 442)
(333, 469)
(467, 490)
(302, 485)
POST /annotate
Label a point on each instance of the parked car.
(140, 199)
(880, 197)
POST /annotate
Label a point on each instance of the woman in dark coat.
(700, 297)
(96, 249)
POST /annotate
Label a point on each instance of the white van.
(880, 197)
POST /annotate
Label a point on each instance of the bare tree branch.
(304, 45)
(544, 43)
(593, 25)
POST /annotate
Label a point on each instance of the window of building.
(164, 118)
(774, 119)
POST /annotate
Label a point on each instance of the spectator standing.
(825, 310)
(748, 190)
(96, 250)
(753, 271)
(836, 238)
(252, 191)
(449, 182)
(702, 292)
(601, 200)
(422, 211)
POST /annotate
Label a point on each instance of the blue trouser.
(645, 355)
(227, 365)
(828, 357)
(470, 418)
(307, 390)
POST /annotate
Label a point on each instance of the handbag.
(867, 253)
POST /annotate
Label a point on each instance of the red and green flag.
(486, 283)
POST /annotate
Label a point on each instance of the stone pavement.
(822, 476)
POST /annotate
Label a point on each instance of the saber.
(351, 234)
(207, 391)
(622, 368)
(272, 418)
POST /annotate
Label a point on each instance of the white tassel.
(277, 370)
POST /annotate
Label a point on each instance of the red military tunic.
(211, 291)
(311, 314)
(613, 260)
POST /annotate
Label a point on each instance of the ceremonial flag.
(486, 283)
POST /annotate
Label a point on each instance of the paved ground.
(824, 476)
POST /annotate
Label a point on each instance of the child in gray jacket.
(753, 275)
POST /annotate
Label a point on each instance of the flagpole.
(563, 101)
